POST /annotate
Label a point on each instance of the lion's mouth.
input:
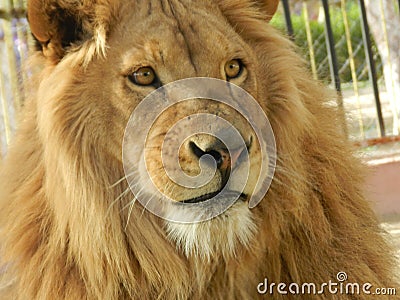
(217, 195)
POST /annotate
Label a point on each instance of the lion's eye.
(143, 76)
(233, 68)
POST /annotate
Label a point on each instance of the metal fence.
(351, 44)
(13, 52)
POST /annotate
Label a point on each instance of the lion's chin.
(220, 236)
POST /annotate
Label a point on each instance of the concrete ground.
(383, 183)
(394, 229)
(383, 187)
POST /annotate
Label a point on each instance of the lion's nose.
(224, 158)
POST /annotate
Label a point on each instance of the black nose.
(214, 153)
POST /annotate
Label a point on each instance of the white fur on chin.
(218, 236)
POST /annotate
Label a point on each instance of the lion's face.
(155, 43)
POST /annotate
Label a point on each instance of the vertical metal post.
(310, 41)
(352, 67)
(331, 48)
(12, 61)
(371, 65)
(288, 18)
(333, 62)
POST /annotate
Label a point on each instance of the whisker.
(123, 194)
(129, 216)
(124, 178)
(144, 207)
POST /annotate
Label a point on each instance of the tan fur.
(69, 227)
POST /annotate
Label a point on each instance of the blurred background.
(354, 47)
(351, 45)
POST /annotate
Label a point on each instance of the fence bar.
(371, 64)
(310, 41)
(331, 48)
(389, 63)
(330, 43)
(12, 63)
(22, 36)
(4, 112)
(352, 66)
(288, 19)
(13, 13)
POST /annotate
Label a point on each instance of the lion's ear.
(269, 7)
(233, 9)
(56, 24)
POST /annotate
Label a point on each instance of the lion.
(70, 227)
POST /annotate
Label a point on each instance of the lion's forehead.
(182, 35)
(174, 9)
